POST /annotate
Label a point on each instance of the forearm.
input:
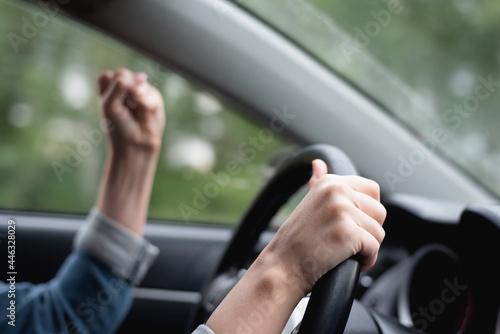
(126, 186)
(261, 302)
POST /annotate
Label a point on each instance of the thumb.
(319, 169)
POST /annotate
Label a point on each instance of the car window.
(433, 65)
(213, 160)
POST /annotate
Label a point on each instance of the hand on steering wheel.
(341, 216)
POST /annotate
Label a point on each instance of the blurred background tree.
(48, 106)
(417, 59)
(422, 59)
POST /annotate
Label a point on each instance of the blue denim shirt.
(92, 291)
(84, 297)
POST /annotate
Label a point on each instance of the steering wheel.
(333, 294)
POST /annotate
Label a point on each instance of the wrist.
(130, 153)
(293, 272)
(268, 295)
(282, 272)
(133, 168)
(126, 186)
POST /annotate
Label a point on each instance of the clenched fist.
(339, 217)
(133, 108)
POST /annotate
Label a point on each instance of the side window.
(213, 161)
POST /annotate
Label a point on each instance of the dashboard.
(437, 269)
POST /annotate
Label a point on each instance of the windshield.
(433, 65)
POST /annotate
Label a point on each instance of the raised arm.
(136, 118)
(92, 291)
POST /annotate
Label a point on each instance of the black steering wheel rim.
(335, 291)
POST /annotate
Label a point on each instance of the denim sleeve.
(124, 253)
(84, 297)
(91, 293)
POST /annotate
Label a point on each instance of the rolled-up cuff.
(202, 329)
(126, 254)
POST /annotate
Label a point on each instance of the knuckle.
(383, 214)
(121, 83)
(338, 209)
(335, 188)
(381, 235)
(371, 247)
(382, 232)
(142, 89)
(347, 233)
(122, 71)
(376, 246)
(374, 188)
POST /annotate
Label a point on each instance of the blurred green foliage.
(49, 113)
(421, 60)
(418, 59)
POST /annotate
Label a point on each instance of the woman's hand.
(134, 110)
(340, 216)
